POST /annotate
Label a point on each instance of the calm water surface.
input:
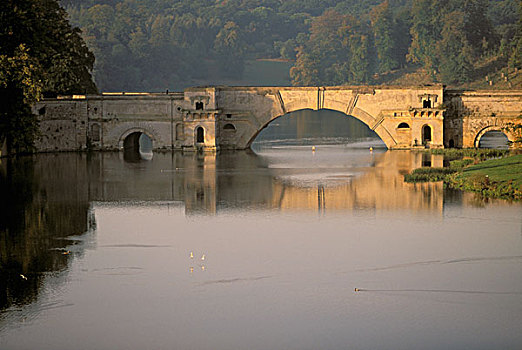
(253, 251)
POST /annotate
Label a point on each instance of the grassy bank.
(469, 170)
(498, 178)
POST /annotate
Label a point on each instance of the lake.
(279, 248)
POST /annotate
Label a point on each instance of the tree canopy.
(40, 53)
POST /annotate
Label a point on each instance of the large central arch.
(362, 116)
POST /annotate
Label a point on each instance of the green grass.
(507, 169)
(495, 178)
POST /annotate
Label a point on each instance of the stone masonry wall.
(231, 117)
(470, 114)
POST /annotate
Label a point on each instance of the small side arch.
(489, 128)
(403, 126)
(130, 131)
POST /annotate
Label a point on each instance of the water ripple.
(234, 280)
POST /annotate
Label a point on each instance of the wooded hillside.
(159, 44)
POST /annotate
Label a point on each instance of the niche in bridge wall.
(404, 134)
(180, 132)
(229, 131)
(200, 135)
(95, 133)
(428, 100)
(229, 128)
(200, 102)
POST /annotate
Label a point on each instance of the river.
(280, 248)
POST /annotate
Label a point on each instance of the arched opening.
(426, 134)
(137, 146)
(229, 127)
(426, 104)
(403, 126)
(494, 139)
(451, 143)
(200, 135)
(199, 105)
(322, 127)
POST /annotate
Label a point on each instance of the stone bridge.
(211, 118)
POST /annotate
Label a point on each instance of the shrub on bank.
(428, 174)
(476, 153)
(437, 174)
(485, 186)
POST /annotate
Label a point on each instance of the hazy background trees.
(160, 44)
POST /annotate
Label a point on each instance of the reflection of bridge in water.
(209, 183)
(381, 187)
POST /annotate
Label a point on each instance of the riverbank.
(492, 173)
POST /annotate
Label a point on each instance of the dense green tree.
(228, 46)
(479, 30)
(445, 44)
(40, 52)
(337, 52)
(386, 45)
(425, 32)
(515, 55)
(454, 50)
(20, 86)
